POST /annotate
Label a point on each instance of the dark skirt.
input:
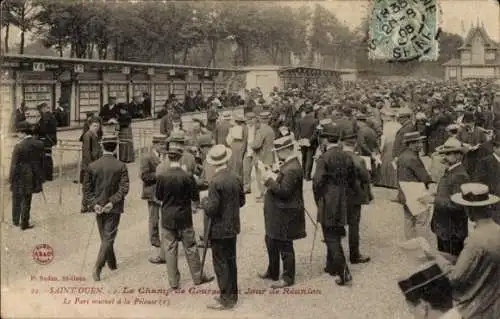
(126, 147)
(387, 173)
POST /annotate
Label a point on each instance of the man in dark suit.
(106, 185)
(110, 110)
(26, 175)
(367, 143)
(332, 180)
(449, 220)
(359, 195)
(178, 192)
(18, 116)
(408, 124)
(222, 128)
(487, 171)
(262, 146)
(305, 135)
(474, 136)
(149, 163)
(222, 206)
(410, 168)
(47, 133)
(91, 151)
(284, 214)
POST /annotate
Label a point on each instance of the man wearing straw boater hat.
(106, 184)
(26, 174)
(149, 163)
(222, 206)
(284, 214)
(410, 168)
(177, 191)
(449, 221)
(475, 276)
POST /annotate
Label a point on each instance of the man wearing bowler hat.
(177, 191)
(449, 221)
(222, 206)
(149, 163)
(410, 168)
(334, 176)
(487, 171)
(106, 184)
(284, 214)
(188, 161)
(26, 174)
(305, 134)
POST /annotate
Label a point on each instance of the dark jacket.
(399, 146)
(26, 174)
(107, 181)
(410, 168)
(367, 142)
(306, 128)
(472, 137)
(225, 198)
(284, 214)
(47, 129)
(106, 114)
(149, 163)
(450, 220)
(486, 172)
(91, 150)
(334, 177)
(176, 189)
(361, 194)
(221, 131)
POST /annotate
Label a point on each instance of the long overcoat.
(284, 213)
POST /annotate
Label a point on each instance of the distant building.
(479, 58)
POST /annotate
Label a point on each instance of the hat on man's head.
(177, 136)
(24, 127)
(218, 155)
(159, 138)
(175, 148)
(264, 115)
(413, 137)
(420, 116)
(250, 115)
(197, 120)
(452, 145)
(239, 118)
(226, 115)
(176, 117)
(112, 97)
(496, 138)
(205, 140)
(283, 142)
(331, 131)
(468, 117)
(453, 128)
(308, 108)
(474, 195)
(460, 108)
(361, 117)
(109, 139)
(404, 112)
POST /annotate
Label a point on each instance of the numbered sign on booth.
(79, 68)
(38, 66)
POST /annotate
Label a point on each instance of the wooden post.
(78, 168)
(2, 179)
(59, 175)
(140, 142)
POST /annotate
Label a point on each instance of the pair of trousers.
(154, 222)
(353, 219)
(452, 246)
(335, 258)
(247, 172)
(170, 243)
(307, 161)
(107, 224)
(280, 248)
(48, 165)
(21, 206)
(261, 189)
(410, 224)
(224, 260)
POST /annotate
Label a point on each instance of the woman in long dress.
(126, 147)
(387, 176)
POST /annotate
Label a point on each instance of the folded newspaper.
(413, 191)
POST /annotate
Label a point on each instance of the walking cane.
(87, 248)
(205, 244)
(43, 196)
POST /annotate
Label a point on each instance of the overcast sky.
(457, 15)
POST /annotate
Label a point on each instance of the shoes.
(157, 260)
(96, 274)
(281, 284)
(205, 279)
(345, 280)
(360, 259)
(25, 227)
(112, 266)
(156, 244)
(15, 224)
(219, 306)
(330, 272)
(266, 276)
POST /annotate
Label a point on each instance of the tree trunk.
(185, 56)
(21, 45)
(6, 39)
(72, 51)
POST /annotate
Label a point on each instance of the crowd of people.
(360, 135)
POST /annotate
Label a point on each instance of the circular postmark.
(404, 30)
(43, 254)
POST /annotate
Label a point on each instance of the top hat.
(496, 139)
(159, 138)
(428, 275)
(177, 136)
(283, 142)
(205, 140)
(250, 115)
(452, 145)
(264, 115)
(413, 137)
(218, 155)
(226, 115)
(474, 195)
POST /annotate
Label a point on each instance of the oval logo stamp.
(404, 30)
(43, 254)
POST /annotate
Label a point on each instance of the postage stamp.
(404, 30)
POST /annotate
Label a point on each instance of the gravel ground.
(74, 237)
